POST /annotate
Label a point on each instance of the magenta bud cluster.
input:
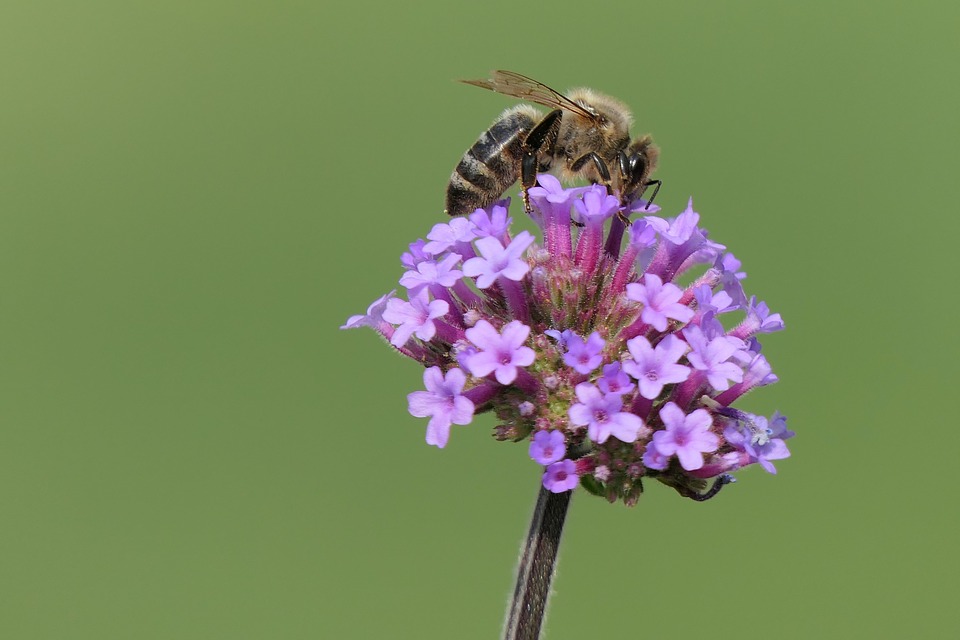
(616, 348)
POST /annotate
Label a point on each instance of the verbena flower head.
(607, 346)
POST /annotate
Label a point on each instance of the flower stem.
(538, 560)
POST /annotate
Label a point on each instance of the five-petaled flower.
(584, 355)
(499, 352)
(660, 301)
(547, 447)
(686, 436)
(561, 476)
(654, 368)
(442, 402)
(414, 317)
(601, 414)
(497, 261)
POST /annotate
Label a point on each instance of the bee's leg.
(628, 169)
(598, 164)
(528, 167)
(656, 189)
(633, 173)
(541, 139)
(602, 172)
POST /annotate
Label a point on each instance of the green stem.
(538, 560)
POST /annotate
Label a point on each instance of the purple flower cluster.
(601, 345)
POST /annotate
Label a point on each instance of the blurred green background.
(195, 195)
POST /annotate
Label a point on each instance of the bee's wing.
(519, 86)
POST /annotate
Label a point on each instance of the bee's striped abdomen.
(491, 165)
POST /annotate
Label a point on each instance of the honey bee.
(584, 135)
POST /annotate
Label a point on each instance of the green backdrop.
(195, 195)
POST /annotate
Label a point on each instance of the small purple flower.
(759, 438)
(655, 367)
(602, 416)
(778, 427)
(641, 243)
(592, 211)
(758, 320)
(495, 260)
(730, 277)
(728, 263)
(442, 402)
(684, 244)
(596, 206)
(550, 194)
(416, 255)
(374, 315)
(562, 337)
(708, 301)
(415, 317)
(707, 252)
(584, 357)
(712, 357)
(547, 447)
(686, 436)
(492, 224)
(445, 236)
(430, 272)
(499, 352)
(759, 373)
(637, 255)
(614, 380)
(747, 429)
(660, 301)
(769, 322)
(642, 235)
(653, 459)
(463, 351)
(713, 328)
(561, 476)
(680, 229)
